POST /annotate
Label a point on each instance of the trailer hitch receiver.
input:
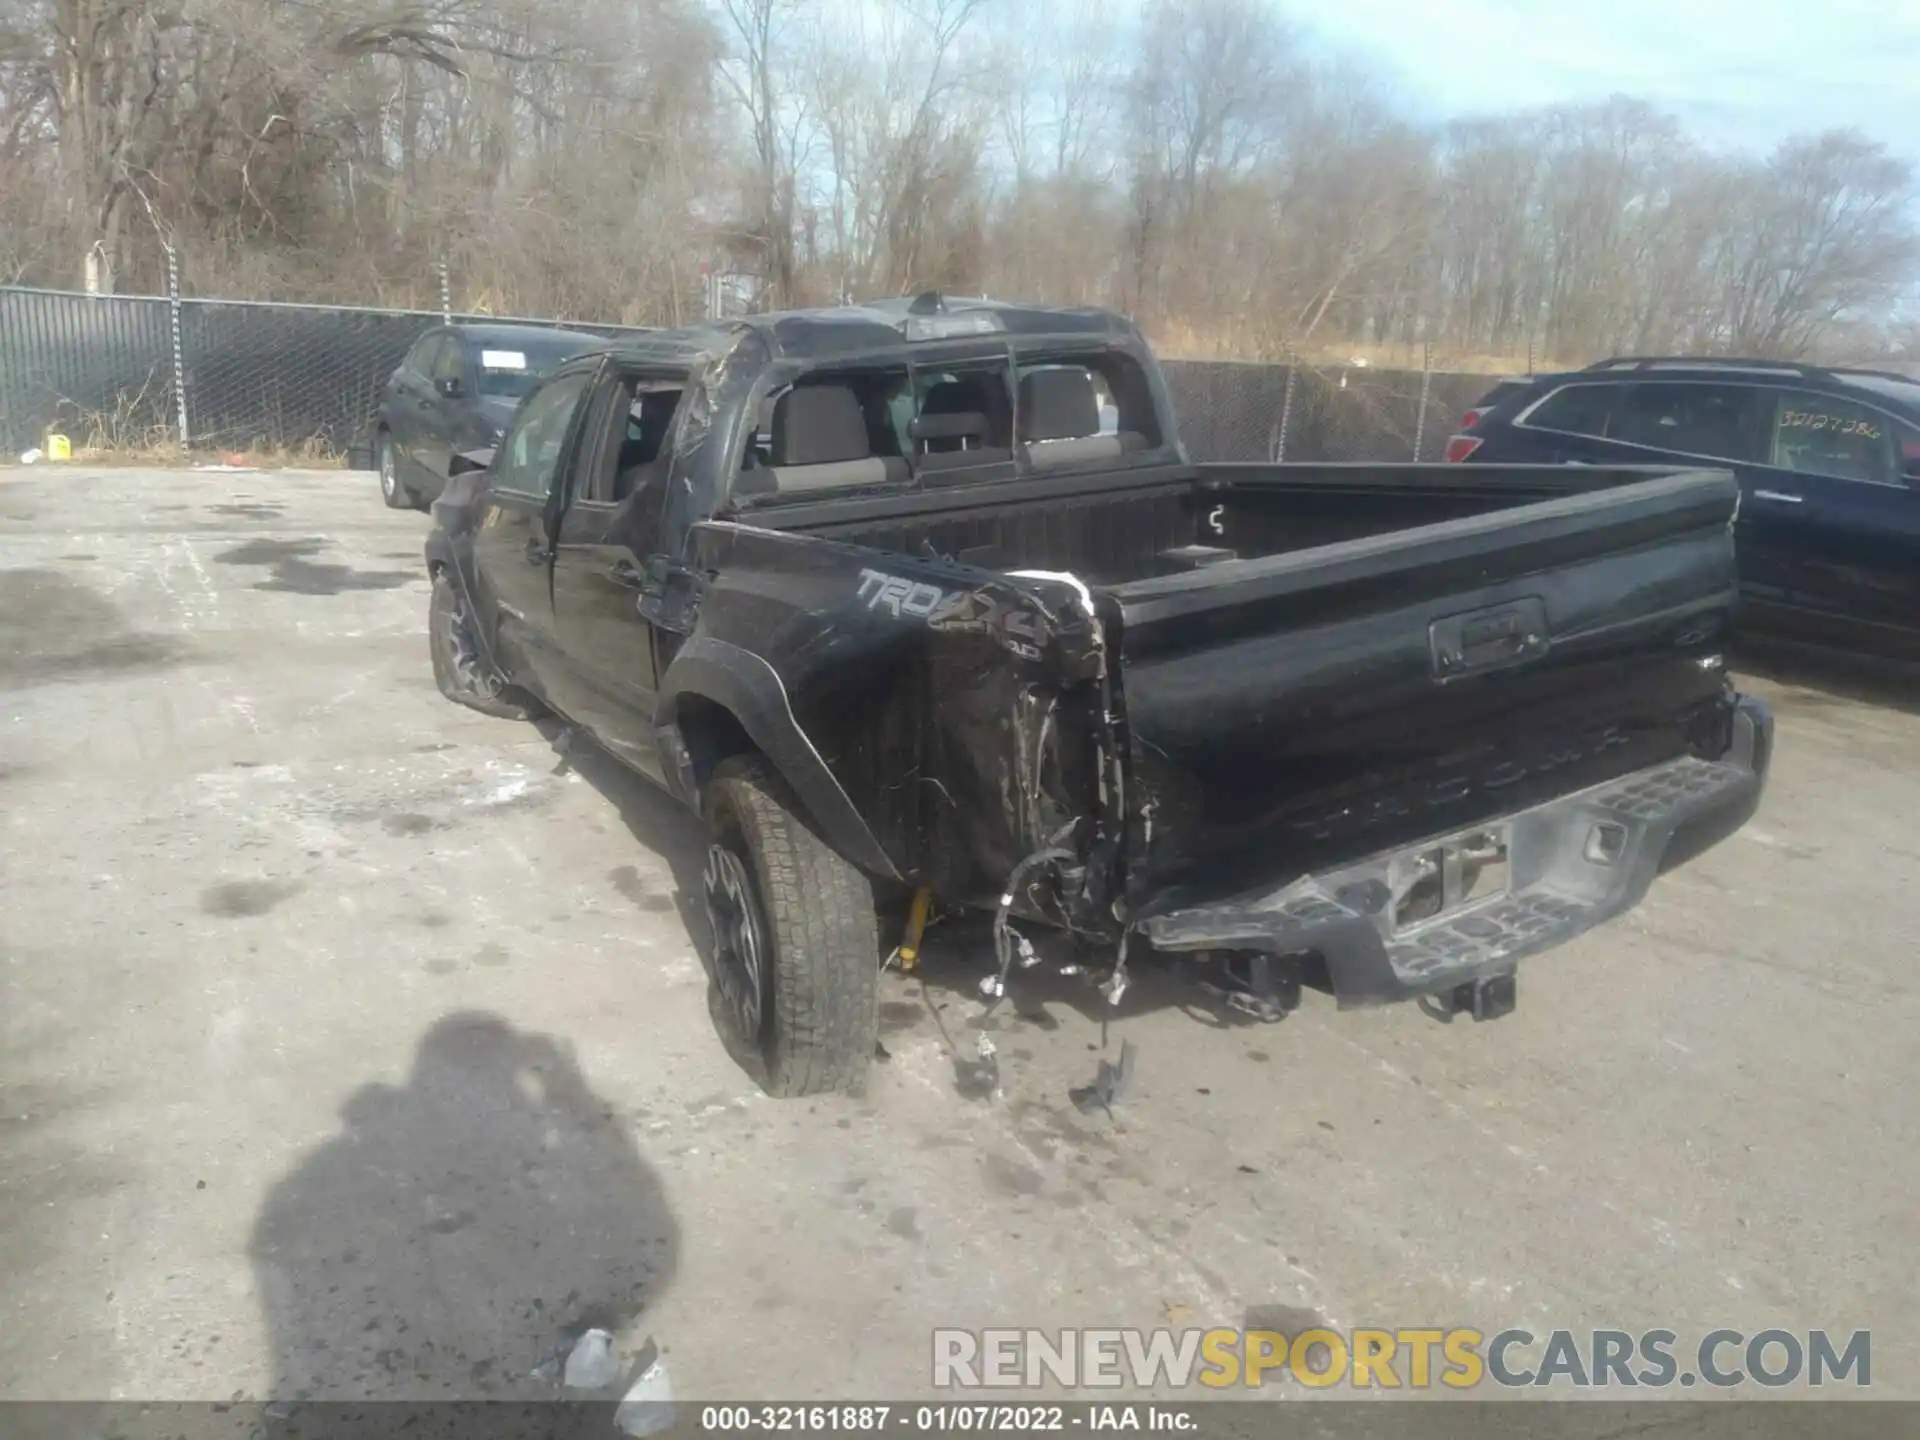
(1487, 998)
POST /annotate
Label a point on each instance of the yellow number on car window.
(1815, 420)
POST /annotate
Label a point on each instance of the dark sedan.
(456, 390)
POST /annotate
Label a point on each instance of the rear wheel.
(392, 489)
(460, 667)
(795, 948)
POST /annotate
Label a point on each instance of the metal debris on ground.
(547, 1369)
(591, 1364)
(1109, 1084)
(1117, 982)
(647, 1408)
(978, 1079)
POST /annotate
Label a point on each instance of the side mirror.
(450, 386)
(464, 462)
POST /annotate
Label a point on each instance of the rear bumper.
(1655, 819)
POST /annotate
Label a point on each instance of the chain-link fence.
(1231, 410)
(247, 375)
(138, 372)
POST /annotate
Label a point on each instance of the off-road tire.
(473, 685)
(393, 489)
(820, 1018)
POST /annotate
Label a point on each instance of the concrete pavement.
(355, 1044)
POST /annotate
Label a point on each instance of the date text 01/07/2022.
(945, 1418)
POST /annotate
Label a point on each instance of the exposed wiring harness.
(1007, 942)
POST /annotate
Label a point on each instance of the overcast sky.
(1739, 73)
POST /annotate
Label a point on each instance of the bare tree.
(1188, 163)
(774, 110)
(1827, 231)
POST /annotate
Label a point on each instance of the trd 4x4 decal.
(966, 611)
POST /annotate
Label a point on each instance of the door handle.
(625, 572)
(1779, 495)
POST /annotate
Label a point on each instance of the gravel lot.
(355, 1044)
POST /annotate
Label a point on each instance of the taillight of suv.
(1460, 445)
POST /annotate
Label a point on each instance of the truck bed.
(1321, 662)
(1111, 531)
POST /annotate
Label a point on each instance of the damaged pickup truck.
(925, 598)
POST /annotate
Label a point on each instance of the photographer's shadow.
(460, 1227)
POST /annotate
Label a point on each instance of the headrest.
(1058, 405)
(956, 397)
(819, 425)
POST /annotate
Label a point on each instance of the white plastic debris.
(31, 457)
(647, 1407)
(591, 1364)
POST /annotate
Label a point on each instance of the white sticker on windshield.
(502, 360)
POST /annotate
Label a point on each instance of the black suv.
(456, 390)
(1828, 462)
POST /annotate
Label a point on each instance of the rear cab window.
(932, 422)
(831, 430)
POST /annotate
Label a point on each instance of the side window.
(449, 360)
(640, 462)
(531, 454)
(420, 358)
(1575, 410)
(1723, 422)
(1825, 435)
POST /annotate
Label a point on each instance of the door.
(443, 418)
(610, 532)
(512, 547)
(411, 403)
(1832, 484)
(1683, 422)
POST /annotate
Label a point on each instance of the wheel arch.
(717, 701)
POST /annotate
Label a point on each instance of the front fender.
(453, 552)
(750, 689)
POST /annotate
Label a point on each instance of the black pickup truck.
(925, 597)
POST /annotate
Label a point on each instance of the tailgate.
(1288, 714)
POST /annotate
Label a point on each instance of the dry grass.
(164, 452)
(128, 434)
